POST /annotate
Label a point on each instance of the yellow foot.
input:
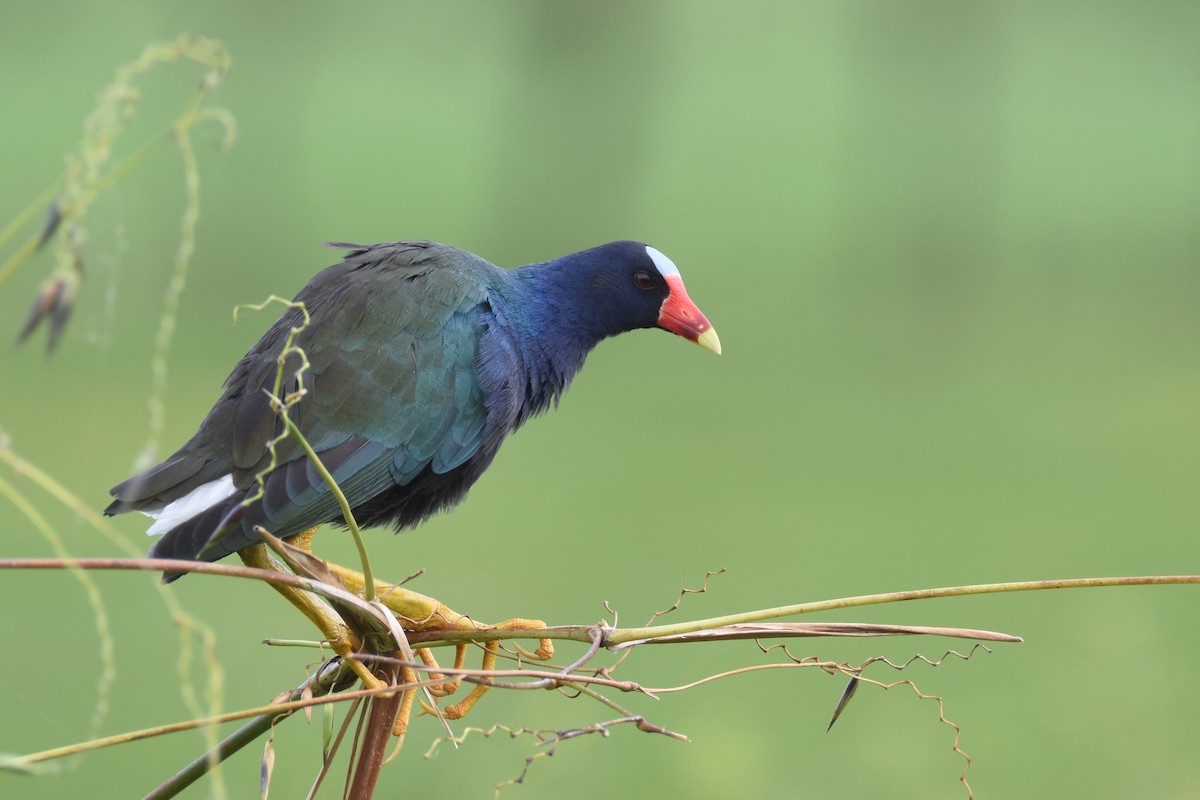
(336, 632)
(544, 652)
(416, 612)
(400, 726)
(447, 687)
(304, 539)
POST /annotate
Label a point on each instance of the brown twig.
(721, 628)
(377, 734)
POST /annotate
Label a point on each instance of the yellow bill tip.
(710, 341)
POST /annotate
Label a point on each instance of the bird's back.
(392, 405)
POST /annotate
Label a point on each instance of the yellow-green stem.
(40, 203)
(347, 514)
(126, 165)
(632, 634)
(170, 306)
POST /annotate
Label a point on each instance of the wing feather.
(392, 389)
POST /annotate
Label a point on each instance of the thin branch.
(720, 628)
(316, 686)
(618, 637)
(156, 402)
(272, 710)
(185, 565)
(779, 630)
(622, 637)
(549, 739)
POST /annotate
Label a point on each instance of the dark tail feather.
(209, 536)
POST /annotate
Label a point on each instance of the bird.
(421, 359)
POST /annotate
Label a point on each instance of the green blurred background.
(952, 252)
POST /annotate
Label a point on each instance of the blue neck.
(557, 311)
(550, 330)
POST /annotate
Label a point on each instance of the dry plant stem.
(273, 710)
(578, 633)
(332, 748)
(318, 612)
(209, 760)
(345, 640)
(612, 637)
(548, 740)
(539, 681)
(184, 565)
(597, 635)
(405, 649)
(624, 635)
(380, 718)
(795, 630)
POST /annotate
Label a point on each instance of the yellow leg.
(544, 652)
(460, 709)
(304, 539)
(420, 612)
(400, 726)
(424, 613)
(417, 612)
(450, 687)
(318, 612)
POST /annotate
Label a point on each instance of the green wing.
(392, 388)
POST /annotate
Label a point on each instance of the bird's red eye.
(642, 280)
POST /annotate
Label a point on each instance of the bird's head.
(677, 313)
(632, 285)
